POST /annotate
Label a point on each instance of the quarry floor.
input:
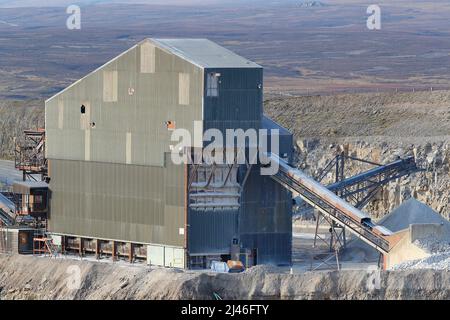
(69, 277)
(28, 277)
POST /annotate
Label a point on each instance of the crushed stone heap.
(410, 212)
(415, 212)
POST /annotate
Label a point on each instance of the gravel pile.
(410, 212)
(440, 261)
(432, 245)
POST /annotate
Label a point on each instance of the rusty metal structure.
(30, 155)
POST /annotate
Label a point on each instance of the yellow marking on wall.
(110, 86)
(128, 147)
(87, 145)
(198, 134)
(183, 88)
(147, 58)
(60, 114)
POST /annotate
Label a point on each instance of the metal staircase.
(52, 248)
(7, 211)
(43, 244)
(30, 155)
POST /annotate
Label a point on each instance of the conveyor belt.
(329, 204)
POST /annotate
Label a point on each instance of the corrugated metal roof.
(25, 187)
(32, 184)
(205, 53)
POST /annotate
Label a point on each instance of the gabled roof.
(204, 53)
(201, 52)
(25, 187)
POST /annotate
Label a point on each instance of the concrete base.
(405, 249)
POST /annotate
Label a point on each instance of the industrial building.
(110, 186)
(111, 177)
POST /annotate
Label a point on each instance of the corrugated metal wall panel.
(265, 220)
(212, 231)
(103, 197)
(265, 205)
(145, 102)
(272, 248)
(239, 104)
(115, 201)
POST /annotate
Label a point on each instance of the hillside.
(16, 116)
(379, 127)
(411, 116)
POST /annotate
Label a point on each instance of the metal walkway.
(359, 189)
(330, 205)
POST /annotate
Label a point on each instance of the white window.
(212, 84)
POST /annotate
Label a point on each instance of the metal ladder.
(41, 236)
(52, 248)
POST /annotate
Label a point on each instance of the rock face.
(378, 127)
(23, 277)
(431, 186)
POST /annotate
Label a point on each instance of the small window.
(83, 109)
(212, 83)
